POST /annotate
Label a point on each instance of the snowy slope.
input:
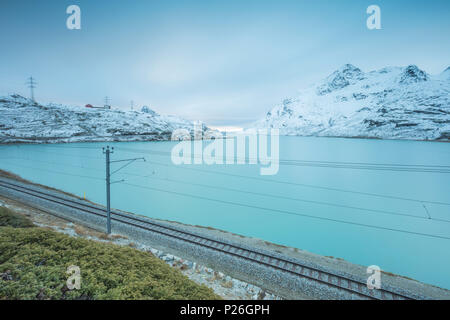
(391, 103)
(22, 120)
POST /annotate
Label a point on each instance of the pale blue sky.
(223, 62)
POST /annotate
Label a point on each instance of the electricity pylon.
(31, 84)
(107, 100)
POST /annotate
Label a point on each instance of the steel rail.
(326, 278)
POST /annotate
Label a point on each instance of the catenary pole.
(108, 189)
(108, 151)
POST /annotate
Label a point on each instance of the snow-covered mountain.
(22, 120)
(391, 103)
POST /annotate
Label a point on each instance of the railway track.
(329, 279)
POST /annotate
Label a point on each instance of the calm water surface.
(351, 213)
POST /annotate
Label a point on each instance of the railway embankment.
(34, 264)
(286, 272)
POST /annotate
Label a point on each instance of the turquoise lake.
(340, 206)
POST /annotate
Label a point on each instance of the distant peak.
(344, 76)
(412, 67)
(349, 72)
(445, 75)
(349, 67)
(413, 74)
(146, 109)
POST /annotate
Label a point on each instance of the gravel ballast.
(276, 282)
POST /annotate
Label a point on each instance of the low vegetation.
(9, 218)
(34, 262)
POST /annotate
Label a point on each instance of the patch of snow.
(23, 120)
(390, 103)
(146, 109)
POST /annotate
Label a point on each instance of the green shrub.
(34, 261)
(12, 219)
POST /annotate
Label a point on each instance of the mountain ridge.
(25, 121)
(389, 103)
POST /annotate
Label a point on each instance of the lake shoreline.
(143, 138)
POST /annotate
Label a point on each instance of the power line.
(63, 154)
(329, 164)
(368, 164)
(345, 165)
(243, 191)
(260, 179)
(295, 161)
(428, 213)
(288, 212)
(52, 163)
(241, 204)
(288, 198)
(54, 171)
(70, 147)
(367, 167)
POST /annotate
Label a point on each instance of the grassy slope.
(37, 259)
(11, 219)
